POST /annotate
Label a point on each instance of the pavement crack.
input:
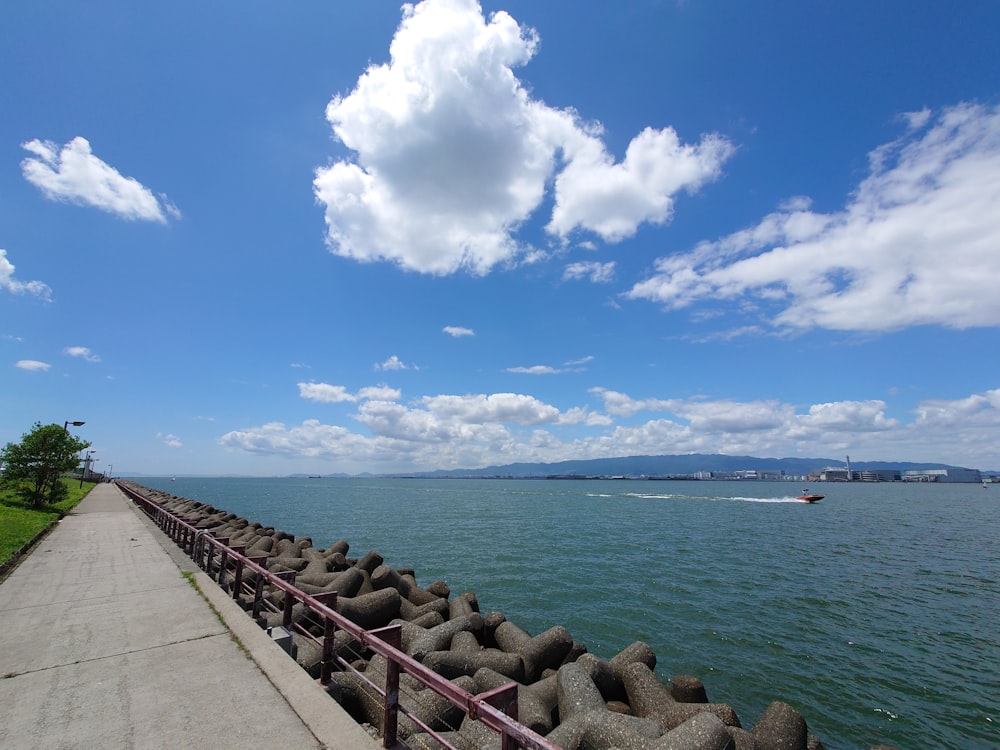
(85, 600)
(116, 655)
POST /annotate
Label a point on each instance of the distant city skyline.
(697, 466)
(376, 237)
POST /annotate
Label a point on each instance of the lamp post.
(68, 422)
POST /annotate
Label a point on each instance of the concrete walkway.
(103, 643)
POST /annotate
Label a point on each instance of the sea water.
(875, 612)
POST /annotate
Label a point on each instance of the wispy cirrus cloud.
(450, 153)
(73, 174)
(574, 365)
(916, 243)
(458, 331)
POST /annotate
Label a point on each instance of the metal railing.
(496, 709)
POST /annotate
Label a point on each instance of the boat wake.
(711, 498)
(768, 499)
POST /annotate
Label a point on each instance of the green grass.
(19, 524)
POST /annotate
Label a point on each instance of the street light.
(67, 423)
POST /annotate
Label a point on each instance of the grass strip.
(20, 525)
(189, 576)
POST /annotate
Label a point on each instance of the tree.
(33, 468)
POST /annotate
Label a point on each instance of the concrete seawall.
(571, 697)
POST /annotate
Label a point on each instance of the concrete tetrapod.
(607, 675)
(781, 727)
(544, 651)
(426, 705)
(418, 642)
(702, 731)
(587, 724)
(651, 698)
(536, 703)
(450, 664)
(385, 577)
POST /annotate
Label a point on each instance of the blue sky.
(265, 238)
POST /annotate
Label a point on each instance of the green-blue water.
(875, 612)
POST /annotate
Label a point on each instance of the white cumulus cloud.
(8, 282)
(623, 405)
(393, 363)
(613, 199)
(170, 440)
(475, 430)
(325, 393)
(335, 394)
(32, 365)
(514, 408)
(82, 352)
(75, 175)
(534, 370)
(916, 244)
(451, 154)
(379, 393)
(598, 273)
(458, 331)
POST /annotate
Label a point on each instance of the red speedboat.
(807, 498)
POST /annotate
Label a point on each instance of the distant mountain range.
(663, 466)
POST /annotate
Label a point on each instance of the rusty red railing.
(496, 709)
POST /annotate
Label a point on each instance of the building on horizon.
(742, 475)
(876, 475)
(834, 474)
(952, 474)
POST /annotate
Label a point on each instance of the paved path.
(103, 643)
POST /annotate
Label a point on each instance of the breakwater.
(574, 698)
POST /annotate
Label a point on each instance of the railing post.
(393, 635)
(329, 599)
(258, 596)
(259, 581)
(504, 698)
(237, 568)
(208, 561)
(224, 562)
(223, 544)
(289, 601)
(237, 577)
(198, 547)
